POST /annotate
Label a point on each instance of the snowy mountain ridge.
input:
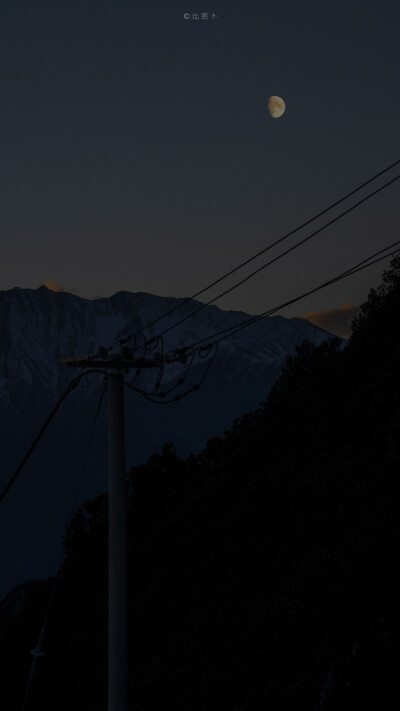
(37, 327)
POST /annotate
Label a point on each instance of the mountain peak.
(51, 285)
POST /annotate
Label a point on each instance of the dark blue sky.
(137, 152)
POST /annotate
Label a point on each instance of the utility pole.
(117, 548)
(117, 541)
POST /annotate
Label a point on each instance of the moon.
(276, 106)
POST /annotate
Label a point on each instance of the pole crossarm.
(114, 363)
(125, 361)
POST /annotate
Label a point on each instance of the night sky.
(137, 152)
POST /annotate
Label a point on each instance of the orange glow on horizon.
(51, 285)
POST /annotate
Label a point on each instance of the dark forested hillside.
(262, 572)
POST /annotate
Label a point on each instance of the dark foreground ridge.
(263, 571)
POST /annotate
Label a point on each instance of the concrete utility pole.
(117, 590)
(117, 543)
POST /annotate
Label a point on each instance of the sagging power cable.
(72, 385)
(38, 651)
(258, 254)
(364, 264)
(279, 256)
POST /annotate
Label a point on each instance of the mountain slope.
(38, 327)
(262, 571)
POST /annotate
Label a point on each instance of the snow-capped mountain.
(38, 327)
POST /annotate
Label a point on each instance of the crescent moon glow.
(276, 106)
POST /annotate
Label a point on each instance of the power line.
(161, 395)
(69, 389)
(180, 396)
(349, 272)
(277, 258)
(37, 652)
(72, 385)
(229, 332)
(258, 254)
